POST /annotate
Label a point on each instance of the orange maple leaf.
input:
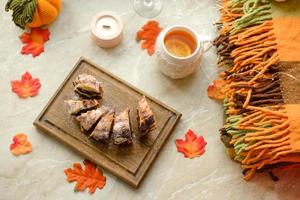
(27, 87)
(149, 34)
(20, 144)
(34, 41)
(90, 177)
(216, 90)
(192, 146)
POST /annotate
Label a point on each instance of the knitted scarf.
(259, 49)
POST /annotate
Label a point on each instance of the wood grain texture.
(129, 163)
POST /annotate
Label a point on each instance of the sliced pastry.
(89, 119)
(76, 107)
(103, 128)
(88, 86)
(146, 122)
(122, 130)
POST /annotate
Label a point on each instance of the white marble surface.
(39, 175)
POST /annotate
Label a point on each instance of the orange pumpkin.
(33, 13)
(46, 13)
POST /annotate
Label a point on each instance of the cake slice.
(122, 130)
(89, 119)
(75, 107)
(146, 122)
(103, 128)
(87, 86)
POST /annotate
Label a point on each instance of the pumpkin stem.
(22, 11)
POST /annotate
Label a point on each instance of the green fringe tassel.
(255, 12)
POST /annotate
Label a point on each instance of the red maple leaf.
(216, 90)
(34, 41)
(192, 146)
(90, 177)
(27, 87)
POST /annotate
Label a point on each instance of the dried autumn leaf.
(192, 146)
(90, 177)
(20, 144)
(149, 34)
(34, 41)
(27, 87)
(216, 90)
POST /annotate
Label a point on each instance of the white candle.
(107, 26)
(107, 29)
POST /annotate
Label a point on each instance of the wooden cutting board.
(129, 163)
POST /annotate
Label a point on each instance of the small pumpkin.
(33, 13)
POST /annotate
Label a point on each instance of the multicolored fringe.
(256, 124)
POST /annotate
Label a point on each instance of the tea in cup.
(180, 43)
(179, 50)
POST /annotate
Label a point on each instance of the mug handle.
(206, 41)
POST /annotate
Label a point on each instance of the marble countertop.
(39, 175)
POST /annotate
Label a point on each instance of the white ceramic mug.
(179, 67)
